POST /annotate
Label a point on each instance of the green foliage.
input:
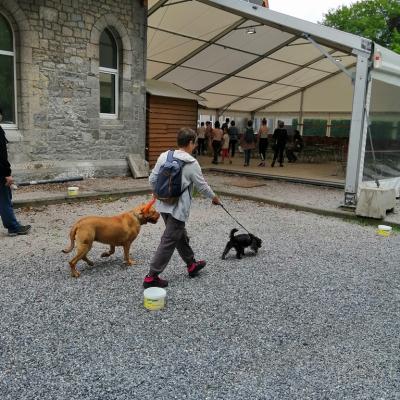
(377, 20)
(315, 127)
(340, 128)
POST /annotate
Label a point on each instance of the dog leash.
(233, 218)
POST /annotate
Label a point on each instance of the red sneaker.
(154, 281)
(195, 267)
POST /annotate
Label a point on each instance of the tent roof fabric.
(204, 46)
(166, 89)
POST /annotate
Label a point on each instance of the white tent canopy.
(288, 64)
(208, 51)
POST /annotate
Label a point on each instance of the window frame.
(13, 55)
(110, 71)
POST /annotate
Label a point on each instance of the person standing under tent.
(201, 137)
(296, 147)
(263, 142)
(248, 142)
(279, 139)
(233, 137)
(207, 142)
(216, 137)
(225, 146)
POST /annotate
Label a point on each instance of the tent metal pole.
(301, 124)
(358, 130)
(328, 56)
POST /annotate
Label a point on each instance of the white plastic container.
(154, 298)
(384, 230)
(73, 190)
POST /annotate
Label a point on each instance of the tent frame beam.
(275, 81)
(156, 6)
(325, 35)
(329, 57)
(201, 48)
(249, 64)
(325, 78)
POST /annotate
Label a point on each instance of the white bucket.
(384, 230)
(154, 298)
(73, 191)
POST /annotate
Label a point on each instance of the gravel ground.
(314, 316)
(329, 198)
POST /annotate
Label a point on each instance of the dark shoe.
(281, 165)
(22, 230)
(273, 164)
(195, 267)
(154, 281)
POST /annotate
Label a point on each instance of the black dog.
(240, 242)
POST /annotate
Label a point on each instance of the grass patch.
(368, 222)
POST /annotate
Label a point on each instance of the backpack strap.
(170, 155)
(170, 158)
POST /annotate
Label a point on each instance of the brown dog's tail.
(72, 234)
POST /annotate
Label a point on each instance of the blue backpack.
(168, 187)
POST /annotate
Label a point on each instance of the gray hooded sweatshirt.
(191, 177)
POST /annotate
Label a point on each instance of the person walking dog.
(6, 181)
(175, 214)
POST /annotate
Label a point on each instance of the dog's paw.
(130, 262)
(75, 273)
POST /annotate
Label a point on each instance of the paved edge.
(112, 195)
(303, 181)
(117, 194)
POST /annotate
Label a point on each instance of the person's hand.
(9, 181)
(216, 201)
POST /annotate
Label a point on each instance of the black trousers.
(291, 156)
(262, 148)
(201, 149)
(232, 147)
(216, 144)
(278, 153)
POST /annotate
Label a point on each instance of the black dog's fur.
(240, 242)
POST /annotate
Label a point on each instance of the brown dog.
(119, 230)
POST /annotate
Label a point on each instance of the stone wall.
(57, 54)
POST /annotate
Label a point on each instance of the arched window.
(108, 75)
(7, 72)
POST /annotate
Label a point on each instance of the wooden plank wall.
(165, 116)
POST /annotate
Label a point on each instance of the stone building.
(72, 85)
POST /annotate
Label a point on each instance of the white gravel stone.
(314, 315)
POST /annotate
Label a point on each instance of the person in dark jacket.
(233, 133)
(6, 180)
(248, 142)
(296, 147)
(279, 139)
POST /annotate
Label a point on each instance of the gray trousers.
(174, 237)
